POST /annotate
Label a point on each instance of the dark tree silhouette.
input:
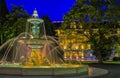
(3, 13)
(15, 22)
(49, 26)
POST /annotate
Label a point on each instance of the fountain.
(34, 50)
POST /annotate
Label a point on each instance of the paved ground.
(114, 70)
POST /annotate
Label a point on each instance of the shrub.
(115, 59)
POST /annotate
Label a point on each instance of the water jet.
(34, 50)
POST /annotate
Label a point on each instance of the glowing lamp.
(76, 47)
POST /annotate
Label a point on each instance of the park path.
(114, 70)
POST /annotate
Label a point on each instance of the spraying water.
(32, 47)
(32, 51)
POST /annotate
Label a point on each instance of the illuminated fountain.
(33, 50)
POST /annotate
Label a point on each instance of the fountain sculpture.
(34, 50)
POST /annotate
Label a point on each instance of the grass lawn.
(105, 62)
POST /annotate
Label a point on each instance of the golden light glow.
(89, 46)
(36, 59)
(76, 41)
(58, 32)
(76, 47)
(65, 46)
(65, 55)
(116, 54)
(82, 54)
(82, 47)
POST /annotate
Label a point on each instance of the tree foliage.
(3, 13)
(100, 20)
(3, 10)
(49, 26)
(15, 22)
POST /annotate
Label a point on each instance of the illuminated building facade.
(75, 44)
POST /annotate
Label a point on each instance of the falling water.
(32, 47)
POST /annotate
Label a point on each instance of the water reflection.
(93, 72)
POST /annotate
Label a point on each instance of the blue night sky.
(54, 8)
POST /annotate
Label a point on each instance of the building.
(75, 44)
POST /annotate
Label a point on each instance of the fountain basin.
(42, 70)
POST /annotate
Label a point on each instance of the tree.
(15, 22)
(3, 9)
(49, 26)
(3, 13)
(97, 20)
